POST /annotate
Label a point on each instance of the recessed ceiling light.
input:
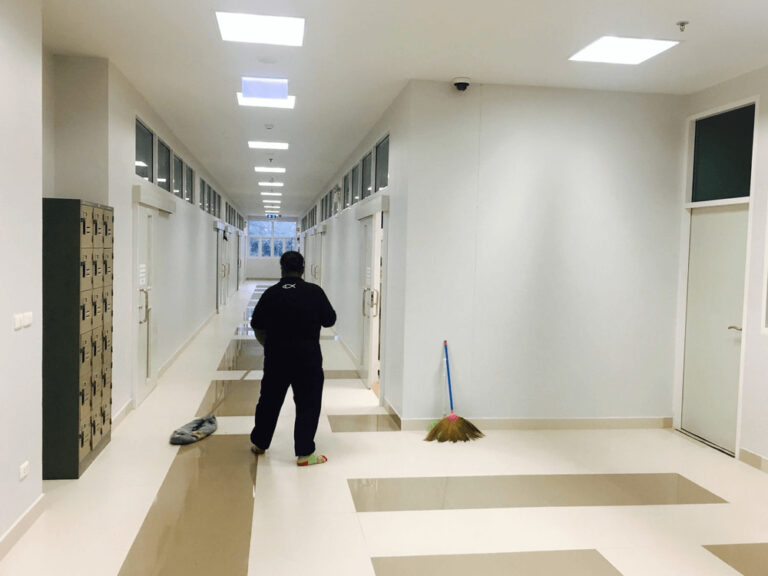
(615, 50)
(162, 180)
(270, 169)
(288, 102)
(272, 201)
(271, 193)
(257, 29)
(275, 184)
(141, 164)
(256, 145)
(264, 87)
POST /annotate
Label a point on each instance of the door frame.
(149, 196)
(685, 236)
(377, 206)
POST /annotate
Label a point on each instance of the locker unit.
(78, 252)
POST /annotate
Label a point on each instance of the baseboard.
(754, 460)
(119, 416)
(392, 412)
(421, 424)
(19, 528)
(184, 346)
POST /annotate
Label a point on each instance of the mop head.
(454, 428)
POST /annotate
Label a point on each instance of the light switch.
(18, 321)
(28, 318)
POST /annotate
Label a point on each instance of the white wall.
(754, 401)
(537, 230)
(184, 294)
(21, 234)
(543, 230)
(81, 131)
(262, 268)
(341, 252)
(89, 137)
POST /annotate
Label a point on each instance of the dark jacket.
(291, 313)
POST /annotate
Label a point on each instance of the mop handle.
(448, 372)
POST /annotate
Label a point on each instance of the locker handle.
(737, 328)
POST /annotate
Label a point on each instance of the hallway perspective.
(591, 502)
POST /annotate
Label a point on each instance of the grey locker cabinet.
(77, 334)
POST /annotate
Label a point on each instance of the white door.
(222, 260)
(316, 270)
(239, 261)
(146, 373)
(716, 269)
(370, 293)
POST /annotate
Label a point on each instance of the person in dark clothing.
(287, 321)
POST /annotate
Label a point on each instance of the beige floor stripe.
(363, 423)
(749, 559)
(570, 562)
(201, 520)
(472, 492)
(230, 398)
(341, 375)
(243, 355)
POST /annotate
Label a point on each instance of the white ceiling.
(359, 54)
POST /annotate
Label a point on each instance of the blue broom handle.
(448, 372)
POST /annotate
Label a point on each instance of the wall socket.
(23, 470)
(23, 320)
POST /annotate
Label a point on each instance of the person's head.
(292, 264)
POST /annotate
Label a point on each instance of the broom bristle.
(454, 430)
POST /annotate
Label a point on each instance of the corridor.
(591, 502)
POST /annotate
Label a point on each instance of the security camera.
(461, 83)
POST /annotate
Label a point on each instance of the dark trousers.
(306, 380)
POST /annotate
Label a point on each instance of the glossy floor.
(90, 526)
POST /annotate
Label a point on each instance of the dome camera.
(461, 83)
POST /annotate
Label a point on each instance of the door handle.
(737, 328)
(146, 305)
(365, 291)
(375, 303)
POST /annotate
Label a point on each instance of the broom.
(453, 427)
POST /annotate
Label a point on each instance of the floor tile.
(243, 355)
(363, 423)
(530, 491)
(570, 562)
(230, 398)
(201, 520)
(748, 559)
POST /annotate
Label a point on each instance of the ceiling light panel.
(288, 102)
(258, 29)
(273, 88)
(615, 50)
(272, 201)
(257, 145)
(271, 184)
(270, 169)
(271, 193)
